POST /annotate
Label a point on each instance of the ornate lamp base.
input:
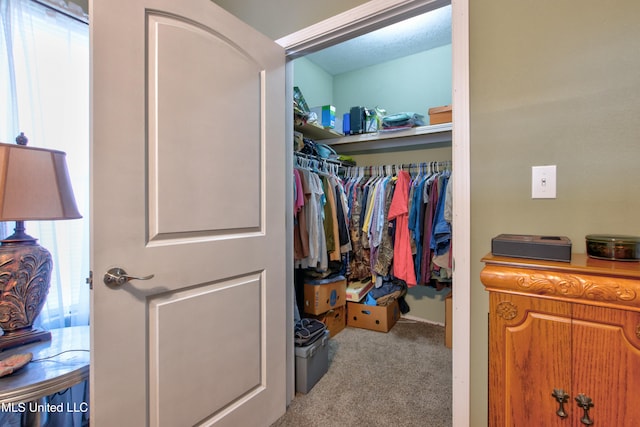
(16, 339)
(25, 271)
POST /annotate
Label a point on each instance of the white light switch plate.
(543, 182)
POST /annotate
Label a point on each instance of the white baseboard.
(420, 319)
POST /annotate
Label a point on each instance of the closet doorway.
(364, 19)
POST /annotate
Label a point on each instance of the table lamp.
(34, 185)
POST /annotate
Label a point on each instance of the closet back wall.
(413, 83)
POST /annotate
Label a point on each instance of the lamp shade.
(35, 185)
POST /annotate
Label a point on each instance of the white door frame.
(365, 18)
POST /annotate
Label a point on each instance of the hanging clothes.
(331, 220)
(441, 271)
(403, 266)
(342, 214)
(435, 261)
(318, 257)
(416, 215)
(320, 216)
(385, 251)
(377, 224)
(300, 230)
(359, 264)
(441, 233)
(377, 232)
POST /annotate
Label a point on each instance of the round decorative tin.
(613, 247)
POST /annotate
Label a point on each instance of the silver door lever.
(117, 276)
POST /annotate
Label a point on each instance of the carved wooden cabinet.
(564, 342)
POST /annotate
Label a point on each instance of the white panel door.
(188, 185)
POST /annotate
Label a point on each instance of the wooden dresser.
(564, 342)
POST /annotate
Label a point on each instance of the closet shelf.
(316, 132)
(440, 133)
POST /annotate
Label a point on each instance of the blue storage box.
(326, 116)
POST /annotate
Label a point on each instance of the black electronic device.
(356, 120)
(550, 248)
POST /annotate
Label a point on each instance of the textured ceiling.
(417, 34)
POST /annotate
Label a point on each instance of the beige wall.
(278, 18)
(551, 83)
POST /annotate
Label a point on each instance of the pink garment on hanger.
(403, 267)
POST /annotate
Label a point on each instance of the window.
(44, 76)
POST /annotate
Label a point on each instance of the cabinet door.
(530, 351)
(606, 356)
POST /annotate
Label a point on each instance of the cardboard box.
(357, 290)
(374, 317)
(312, 362)
(321, 296)
(448, 314)
(335, 320)
(439, 115)
(326, 116)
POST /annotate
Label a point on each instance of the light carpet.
(401, 378)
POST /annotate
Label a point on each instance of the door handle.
(117, 276)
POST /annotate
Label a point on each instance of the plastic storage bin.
(312, 362)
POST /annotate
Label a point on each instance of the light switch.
(543, 182)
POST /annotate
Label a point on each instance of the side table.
(57, 365)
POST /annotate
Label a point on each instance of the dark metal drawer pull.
(585, 403)
(561, 398)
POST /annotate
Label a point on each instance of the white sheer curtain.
(44, 88)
